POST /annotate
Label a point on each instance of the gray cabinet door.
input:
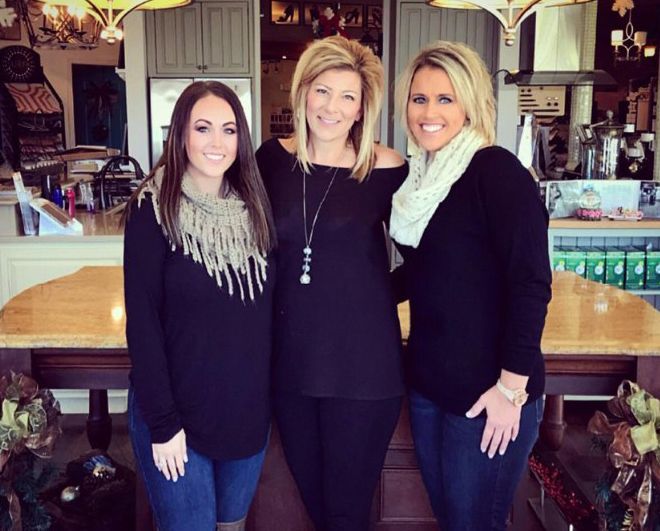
(226, 37)
(420, 24)
(177, 41)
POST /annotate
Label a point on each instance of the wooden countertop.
(86, 310)
(574, 223)
(100, 224)
(97, 224)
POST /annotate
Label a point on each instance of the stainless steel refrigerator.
(163, 93)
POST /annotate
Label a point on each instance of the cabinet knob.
(199, 67)
(204, 67)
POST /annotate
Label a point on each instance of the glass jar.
(589, 205)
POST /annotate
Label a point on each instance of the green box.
(653, 269)
(615, 266)
(635, 267)
(595, 264)
(558, 259)
(576, 260)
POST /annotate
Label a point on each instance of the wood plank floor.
(576, 454)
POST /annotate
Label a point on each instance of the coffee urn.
(609, 143)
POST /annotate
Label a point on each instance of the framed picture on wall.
(12, 32)
(311, 12)
(284, 12)
(374, 16)
(353, 15)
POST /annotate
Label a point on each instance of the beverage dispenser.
(609, 143)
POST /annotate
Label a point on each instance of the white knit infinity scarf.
(217, 233)
(415, 202)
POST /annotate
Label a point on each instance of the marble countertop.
(82, 310)
(86, 310)
(586, 317)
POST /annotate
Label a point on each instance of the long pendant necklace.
(306, 278)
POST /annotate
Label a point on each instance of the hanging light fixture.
(629, 45)
(509, 13)
(59, 26)
(103, 19)
(110, 13)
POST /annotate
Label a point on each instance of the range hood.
(556, 57)
(592, 78)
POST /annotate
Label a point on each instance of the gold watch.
(517, 397)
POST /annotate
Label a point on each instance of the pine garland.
(30, 479)
(612, 509)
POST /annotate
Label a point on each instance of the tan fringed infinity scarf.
(216, 232)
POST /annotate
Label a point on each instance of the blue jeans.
(468, 491)
(211, 491)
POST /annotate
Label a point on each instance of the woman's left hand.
(503, 421)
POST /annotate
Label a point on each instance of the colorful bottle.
(56, 196)
(71, 200)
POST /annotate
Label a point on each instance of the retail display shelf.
(644, 291)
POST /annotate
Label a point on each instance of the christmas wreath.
(634, 457)
(29, 426)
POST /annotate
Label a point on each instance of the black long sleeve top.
(479, 284)
(200, 357)
(339, 335)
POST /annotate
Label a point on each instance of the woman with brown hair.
(198, 280)
(337, 368)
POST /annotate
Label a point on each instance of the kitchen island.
(69, 333)
(29, 260)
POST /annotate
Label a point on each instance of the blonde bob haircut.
(337, 52)
(469, 77)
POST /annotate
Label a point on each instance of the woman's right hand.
(170, 457)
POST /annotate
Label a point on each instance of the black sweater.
(479, 285)
(200, 357)
(338, 336)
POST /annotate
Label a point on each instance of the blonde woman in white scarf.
(473, 233)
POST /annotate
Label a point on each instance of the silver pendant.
(307, 258)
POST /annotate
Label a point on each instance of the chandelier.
(630, 45)
(509, 13)
(81, 23)
(59, 26)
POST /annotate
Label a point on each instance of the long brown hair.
(242, 176)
